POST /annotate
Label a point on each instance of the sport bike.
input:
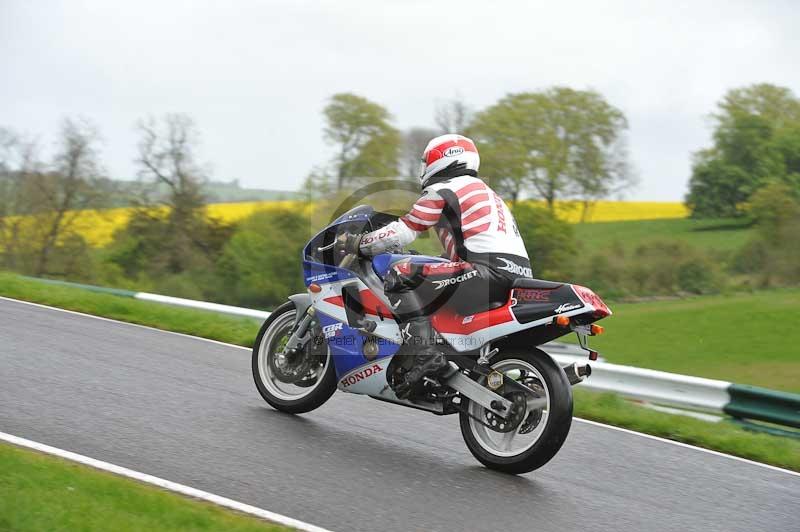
(513, 400)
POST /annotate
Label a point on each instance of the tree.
(170, 244)
(556, 142)
(756, 140)
(414, 142)
(600, 173)
(717, 188)
(39, 203)
(452, 116)
(18, 160)
(166, 156)
(777, 105)
(73, 182)
(366, 143)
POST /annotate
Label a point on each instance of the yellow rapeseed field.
(98, 226)
(620, 211)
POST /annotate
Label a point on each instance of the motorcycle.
(513, 400)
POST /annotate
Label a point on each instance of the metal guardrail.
(685, 392)
(659, 387)
(698, 394)
(203, 305)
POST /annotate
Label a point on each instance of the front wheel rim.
(509, 443)
(271, 343)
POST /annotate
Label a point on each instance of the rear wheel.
(297, 382)
(527, 444)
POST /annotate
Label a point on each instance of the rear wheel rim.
(272, 343)
(512, 443)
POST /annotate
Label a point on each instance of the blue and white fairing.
(354, 371)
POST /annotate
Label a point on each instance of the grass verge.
(606, 408)
(41, 492)
(229, 329)
(723, 436)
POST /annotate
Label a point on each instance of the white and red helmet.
(446, 151)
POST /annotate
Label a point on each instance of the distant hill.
(221, 192)
(122, 193)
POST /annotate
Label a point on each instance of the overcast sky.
(256, 75)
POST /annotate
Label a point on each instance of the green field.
(746, 338)
(717, 235)
(40, 492)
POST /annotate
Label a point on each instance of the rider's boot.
(428, 360)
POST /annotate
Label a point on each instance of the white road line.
(164, 484)
(686, 445)
(631, 432)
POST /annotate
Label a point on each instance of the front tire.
(516, 451)
(312, 392)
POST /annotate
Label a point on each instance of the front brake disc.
(292, 367)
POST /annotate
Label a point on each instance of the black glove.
(349, 243)
(353, 243)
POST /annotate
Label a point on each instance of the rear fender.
(526, 318)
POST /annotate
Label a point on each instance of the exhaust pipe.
(577, 372)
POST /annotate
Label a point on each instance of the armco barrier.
(751, 402)
(167, 300)
(658, 387)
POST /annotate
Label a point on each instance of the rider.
(480, 238)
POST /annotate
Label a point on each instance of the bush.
(260, 265)
(174, 256)
(658, 268)
(772, 257)
(697, 276)
(550, 241)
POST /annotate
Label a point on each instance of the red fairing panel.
(372, 305)
(446, 321)
(590, 298)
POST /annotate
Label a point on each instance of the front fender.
(301, 303)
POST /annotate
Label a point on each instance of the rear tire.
(556, 417)
(280, 395)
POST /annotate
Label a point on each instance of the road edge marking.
(687, 445)
(112, 320)
(162, 483)
(587, 421)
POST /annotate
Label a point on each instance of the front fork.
(300, 334)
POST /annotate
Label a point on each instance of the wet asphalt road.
(186, 410)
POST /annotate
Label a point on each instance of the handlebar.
(341, 242)
(348, 260)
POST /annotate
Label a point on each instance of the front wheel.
(534, 440)
(293, 383)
